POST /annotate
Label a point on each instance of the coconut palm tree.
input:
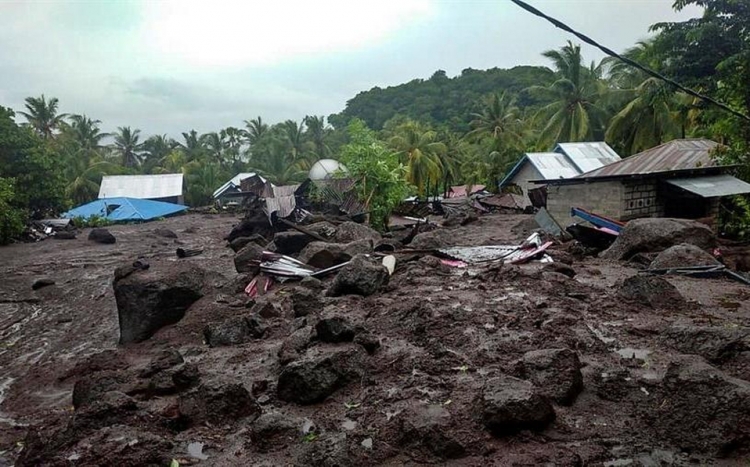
(155, 148)
(421, 153)
(215, 147)
(295, 135)
(42, 115)
(499, 119)
(126, 145)
(192, 146)
(572, 113)
(317, 133)
(254, 130)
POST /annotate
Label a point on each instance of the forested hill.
(441, 100)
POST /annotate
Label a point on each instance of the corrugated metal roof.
(552, 165)
(588, 156)
(712, 186)
(234, 182)
(679, 154)
(141, 186)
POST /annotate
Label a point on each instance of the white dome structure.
(325, 168)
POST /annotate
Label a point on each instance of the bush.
(92, 221)
(12, 219)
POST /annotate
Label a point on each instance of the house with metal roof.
(679, 179)
(222, 194)
(161, 187)
(567, 160)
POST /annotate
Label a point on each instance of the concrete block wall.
(605, 198)
(641, 199)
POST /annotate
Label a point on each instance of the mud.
(439, 361)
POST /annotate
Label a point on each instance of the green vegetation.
(419, 137)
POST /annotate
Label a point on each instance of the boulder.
(334, 329)
(429, 427)
(329, 450)
(274, 431)
(433, 240)
(369, 342)
(248, 258)
(162, 361)
(555, 372)
(90, 388)
(509, 405)
(716, 344)
(682, 256)
(362, 276)
(351, 231)
(294, 345)
(306, 302)
(172, 380)
(265, 309)
(218, 403)
(151, 299)
(291, 242)
(658, 234)
(102, 236)
(324, 255)
(320, 373)
(241, 242)
(64, 235)
(166, 233)
(655, 292)
(324, 229)
(234, 331)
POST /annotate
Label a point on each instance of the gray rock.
(362, 276)
(291, 242)
(40, 283)
(234, 331)
(556, 372)
(369, 342)
(327, 451)
(102, 236)
(334, 329)
(429, 427)
(149, 300)
(509, 405)
(681, 256)
(657, 234)
(248, 258)
(655, 292)
(306, 302)
(351, 231)
(275, 431)
(716, 344)
(166, 233)
(320, 373)
(218, 403)
(433, 240)
(294, 345)
(241, 242)
(265, 309)
(324, 255)
(163, 360)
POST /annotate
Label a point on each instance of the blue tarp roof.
(125, 209)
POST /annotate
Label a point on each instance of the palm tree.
(85, 185)
(192, 146)
(233, 139)
(421, 153)
(276, 161)
(42, 115)
(295, 134)
(155, 148)
(317, 133)
(572, 114)
(215, 147)
(255, 129)
(127, 146)
(499, 119)
(202, 180)
(86, 132)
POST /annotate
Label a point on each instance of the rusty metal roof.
(679, 154)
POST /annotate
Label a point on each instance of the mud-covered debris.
(701, 409)
(218, 403)
(329, 450)
(655, 292)
(370, 342)
(716, 344)
(555, 372)
(320, 373)
(433, 240)
(334, 329)
(294, 345)
(164, 232)
(657, 234)
(274, 431)
(163, 360)
(102, 236)
(248, 258)
(312, 283)
(265, 309)
(429, 427)
(150, 300)
(188, 252)
(40, 283)
(683, 255)
(234, 331)
(560, 268)
(351, 231)
(291, 242)
(110, 408)
(65, 235)
(509, 405)
(241, 242)
(362, 276)
(91, 387)
(306, 302)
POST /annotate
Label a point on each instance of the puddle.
(631, 353)
(349, 425)
(195, 450)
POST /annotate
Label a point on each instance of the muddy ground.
(661, 386)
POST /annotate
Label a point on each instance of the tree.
(421, 153)
(572, 113)
(295, 135)
(317, 133)
(254, 130)
(498, 119)
(192, 146)
(42, 115)
(215, 147)
(80, 147)
(155, 149)
(127, 146)
(202, 180)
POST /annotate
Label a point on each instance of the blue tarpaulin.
(125, 209)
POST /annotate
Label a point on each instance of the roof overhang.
(717, 170)
(712, 186)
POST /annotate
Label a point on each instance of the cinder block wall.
(605, 198)
(640, 199)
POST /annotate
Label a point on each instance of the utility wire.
(630, 62)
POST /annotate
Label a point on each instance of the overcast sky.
(167, 66)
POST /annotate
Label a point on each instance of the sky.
(168, 66)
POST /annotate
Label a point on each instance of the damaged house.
(677, 179)
(567, 160)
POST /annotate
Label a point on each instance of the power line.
(630, 62)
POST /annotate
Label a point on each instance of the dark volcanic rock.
(164, 360)
(294, 345)
(149, 300)
(306, 302)
(351, 231)
(651, 291)
(317, 376)
(234, 331)
(433, 240)
(370, 342)
(681, 256)
(334, 329)
(265, 309)
(166, 233)
(509, 405)
(241, 242)
(65, 235)
(102, 236)
(218, 403)
(428, 427)
(324, 255)
(560, 268)
(248, 258)
(362, 276)
(291, 242)
(327, 451)
(657, 234)
(274, 431)
(39, 283)
(91, 387)
(556, 372)
(714, 343)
